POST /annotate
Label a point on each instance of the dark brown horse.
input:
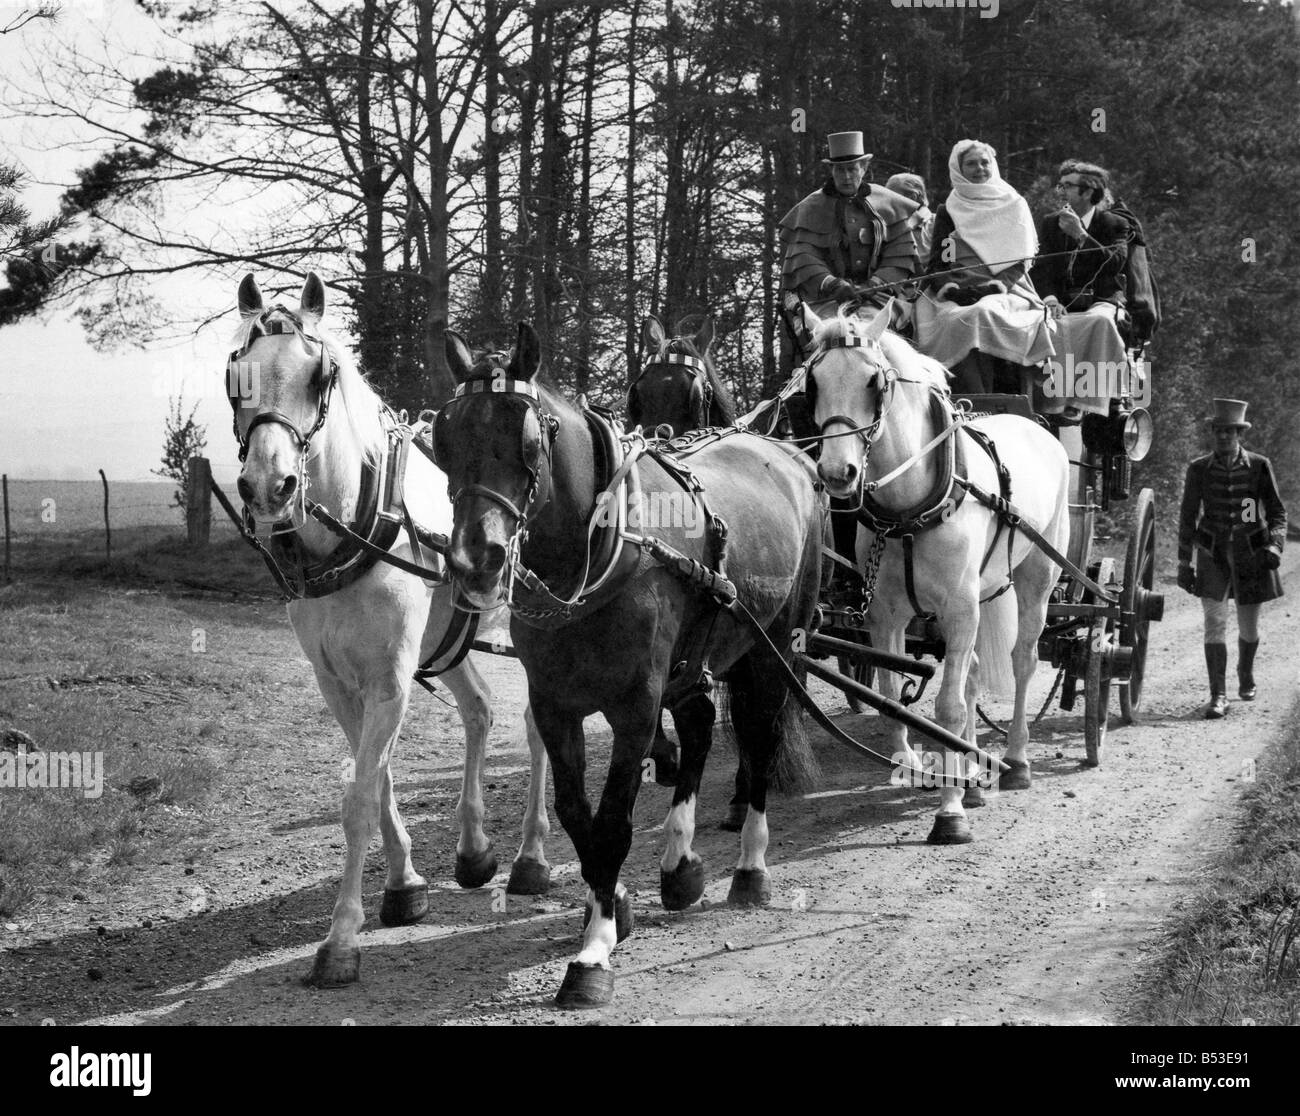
(677, 384)
(603, 612)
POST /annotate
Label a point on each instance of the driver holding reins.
(849, 236)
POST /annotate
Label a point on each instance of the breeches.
(1216, 620)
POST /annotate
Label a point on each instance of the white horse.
(881, 407)
(366, 639)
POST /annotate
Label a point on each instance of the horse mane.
(910, 363)
(362, 405)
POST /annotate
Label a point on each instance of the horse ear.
(704, 337)
(652, 334)
(877, 326)
(459, 358)
(250, 298)
(527, 361)
(312, 300)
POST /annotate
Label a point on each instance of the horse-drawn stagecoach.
(617, 614)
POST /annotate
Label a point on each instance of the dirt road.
(1047, 918)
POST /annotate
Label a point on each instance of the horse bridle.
(888, 376)
(548, 426)
(701, 388)
(326, 377)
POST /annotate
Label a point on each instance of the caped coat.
(1229, 526)
(867, 236)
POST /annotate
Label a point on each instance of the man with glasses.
(1082, 249)
(1079, 273)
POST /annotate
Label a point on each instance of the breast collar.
(943, 498)
(380, 515)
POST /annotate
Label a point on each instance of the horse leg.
(588, 982)
(681, 870)
(762, 714)
(1035, 578)
(338, 960)
(530, 874)
(973, 797)
(406, 894)
(476, 864)
(889, 633)
(664, 753)
(738, 807)
(950, 824)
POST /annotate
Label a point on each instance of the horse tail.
(796, 769)
(994, 641)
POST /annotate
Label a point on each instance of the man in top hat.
(1233, 519)
(848, 234)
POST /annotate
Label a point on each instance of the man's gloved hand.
(1186, 578)
(841, 290)
(1270, 558)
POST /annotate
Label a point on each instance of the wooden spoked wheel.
(1096, 676)
(1139, 580)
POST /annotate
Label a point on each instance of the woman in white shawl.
(986, 313)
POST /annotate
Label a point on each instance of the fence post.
(108, 531)
(5, 480)
(198, 500)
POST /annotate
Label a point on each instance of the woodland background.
(581, 165)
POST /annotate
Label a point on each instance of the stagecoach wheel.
(1096, 691)
(1139, 579)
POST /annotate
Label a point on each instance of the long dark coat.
(1227, 539)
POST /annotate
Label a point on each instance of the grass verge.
(1235, 958)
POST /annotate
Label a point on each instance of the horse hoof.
(682, 886)
(334, 970)
(973, 798)
(750, 887)
(529, 877)
(1018, 778)
(585, 986)
(475, 871)
(404, 906)
(734, 822)
(623, 921)
(950, 829)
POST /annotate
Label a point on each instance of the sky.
(67, 411)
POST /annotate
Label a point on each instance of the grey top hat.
(845, 147)
(1230, 412)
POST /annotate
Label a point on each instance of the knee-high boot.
(1246, 669)
(1216, 663)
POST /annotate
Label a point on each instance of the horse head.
(676, 384)
(845, 380)
(493, 440)
(280, 379)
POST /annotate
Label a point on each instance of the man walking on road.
(1233, 519)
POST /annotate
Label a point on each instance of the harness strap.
(1007, 511)
(909, 579)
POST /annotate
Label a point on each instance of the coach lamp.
(1120, 438)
